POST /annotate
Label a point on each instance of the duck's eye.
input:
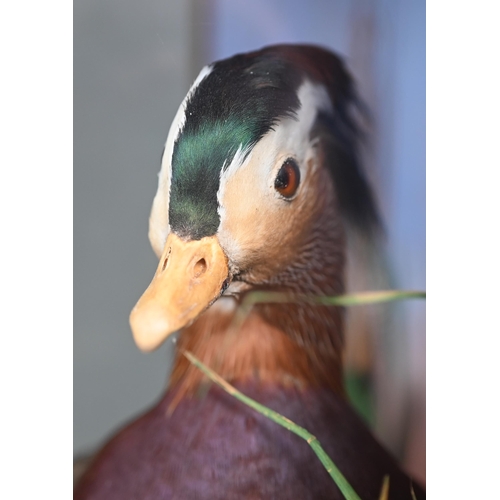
(288, 178)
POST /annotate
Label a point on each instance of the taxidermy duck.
(260, 181)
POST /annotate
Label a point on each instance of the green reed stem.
(351, 299)
(346, 300)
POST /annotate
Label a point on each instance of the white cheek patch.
(290, 138)
(159, 227)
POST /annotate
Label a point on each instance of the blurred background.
(133, 64)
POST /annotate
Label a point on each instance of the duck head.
(259, 176)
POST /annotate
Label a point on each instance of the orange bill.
(190, 277)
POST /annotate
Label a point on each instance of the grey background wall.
(133, 63)
(131, 71)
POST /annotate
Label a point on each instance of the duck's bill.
(191, 275)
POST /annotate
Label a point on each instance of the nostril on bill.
(165, 261)
(200, 267)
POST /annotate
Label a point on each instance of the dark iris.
(288, 178)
